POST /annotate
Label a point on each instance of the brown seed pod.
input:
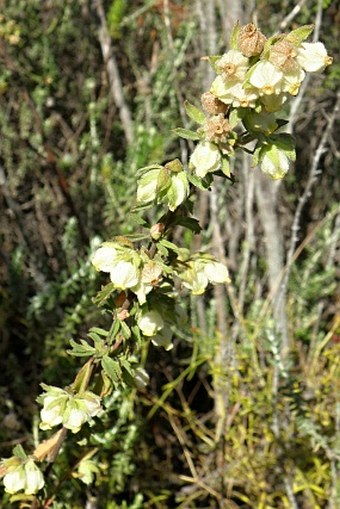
(250, 40)
(212, 104)
(282, 55)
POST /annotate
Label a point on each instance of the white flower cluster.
(128, 269)
(70, 410)
(279, 70)
(254, 80)
(21, 475)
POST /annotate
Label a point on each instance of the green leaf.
(100, 332)
(82, 349)
(188, 222)
(111, 368)
(126, 331)
(194, 113)
(186, 134)
(104, 294)
(300, 34)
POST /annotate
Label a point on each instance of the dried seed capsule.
(283, 55)
(250, 40)
(212, 105)
(217, 128)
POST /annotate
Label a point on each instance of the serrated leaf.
(194, 113)
(186, 134)
(111, 368)
(104, 294)
(300, 34)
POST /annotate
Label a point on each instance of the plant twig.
(116, 87)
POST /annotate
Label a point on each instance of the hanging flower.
(232, 66)
(312, 56)
(150, 322)
(205, 158)
(70, 410)
(266, 78)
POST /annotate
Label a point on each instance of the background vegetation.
(88, 93)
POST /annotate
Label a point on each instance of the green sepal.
(194, 113)
(187, 134)
(226, 167)
(234, 35)
(18, 452)
(300, 34)
(83, 377)
(200, 183)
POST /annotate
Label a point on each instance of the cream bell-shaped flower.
(34, 478)
(163, 338)
(275, 163)
(147, 186)
(216, 272)
(232, 66)
(312, 56)
(104, 258)
(124, 275)
(150, 322)
(292, 81)
(205, 158)
(266, 78)
(233, 93)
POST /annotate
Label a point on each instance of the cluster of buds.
(20, 473)
(64, 407)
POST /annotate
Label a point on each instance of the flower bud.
(157, 230)
(174, 166)
(250, 40)
(212, 104)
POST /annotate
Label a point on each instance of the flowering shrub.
(148, 272)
